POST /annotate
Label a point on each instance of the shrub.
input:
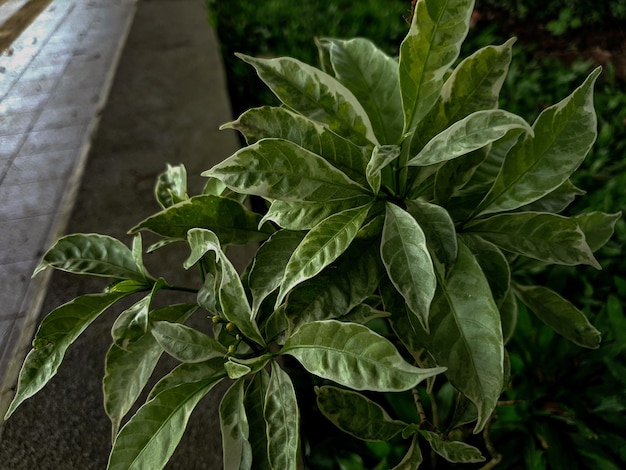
(404, 211)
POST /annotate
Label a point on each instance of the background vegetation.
(566, 406)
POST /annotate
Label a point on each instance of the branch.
(496, 457)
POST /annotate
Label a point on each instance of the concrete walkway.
(165, 105)
(54, 81)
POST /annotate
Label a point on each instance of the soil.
(19, 21)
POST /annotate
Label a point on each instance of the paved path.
(165, 106)
(54, 81)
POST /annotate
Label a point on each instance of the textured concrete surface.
(165, 106)
(54, 80)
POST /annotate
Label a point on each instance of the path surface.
(54, 80)
(165, 105)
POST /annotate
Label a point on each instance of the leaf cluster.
(403, 204)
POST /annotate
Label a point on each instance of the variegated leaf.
(316, 95)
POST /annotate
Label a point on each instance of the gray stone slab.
(16, 104)
(10, 144)
(41, 167)
(53, 140)
(11, 124)
(17, 276)
(34, 87)
(19, 201)
(65, 115)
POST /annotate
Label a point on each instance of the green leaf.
(357, 415)
(128, 286)
(171, 186)
(539, 164)
(316, 95)
(282, 418)
(407, 261)
(230, 220)
(214, 187)
(493, 264)
(363, 314)
(254, 364)
(413, 458)
(279, 169)
(508, 315)
(267, 122)
(452, 451)
(160, 244)
(269, 265)
(471, 133)
(303, 215)
(137, 251)
(93, 254)
(236, 370)
(466, 335)
(186, 344)
(337, 289)
(236, 450)
(254, 402)
(354, 356)
(189, 372)
(207, 294)
(597, 226)
(126, 374)
(438, 229)
(381, 157)
(455, 174)
(556, 201)
(127, 371)
(428, 51)
(404, 324)
(473, 86)
(149, 439)
(483, 177)
(546, 237)
(231, 294)
(132, 323)
(58, 330)
(559, 314)
(372, 76)
(321, 246)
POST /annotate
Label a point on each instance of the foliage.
(266, 28)
(562, 15)
(405, 210)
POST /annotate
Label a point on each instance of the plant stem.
(434, 409)
(510, 402)
(419, 406)
(496, 457)
(403, 170)
(182, 289)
